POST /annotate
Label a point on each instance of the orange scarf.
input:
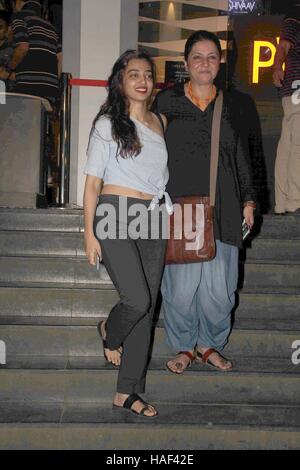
(201, 103)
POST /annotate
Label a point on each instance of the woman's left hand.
(249, 216)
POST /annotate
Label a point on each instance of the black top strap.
(161, 121)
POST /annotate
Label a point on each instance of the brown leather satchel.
(191, 226)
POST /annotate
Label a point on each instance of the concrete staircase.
(56, 389)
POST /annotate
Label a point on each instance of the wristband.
(250, 204)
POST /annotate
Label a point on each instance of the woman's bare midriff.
(114, 190)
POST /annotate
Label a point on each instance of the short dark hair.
(5, 16)
(198, 36)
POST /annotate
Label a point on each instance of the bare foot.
(120, 399)
(113, 357)
(180, 363)
(215, 359)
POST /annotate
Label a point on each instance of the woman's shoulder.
(169, 100)
(103, 127)
(172, 91)
(237, 99)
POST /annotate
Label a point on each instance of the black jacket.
(188, 141)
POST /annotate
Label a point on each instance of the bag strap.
(215, 147)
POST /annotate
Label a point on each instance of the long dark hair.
(116, 106)
(198, 36)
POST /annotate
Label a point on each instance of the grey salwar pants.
(198, 299)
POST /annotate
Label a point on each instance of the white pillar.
(95, 32)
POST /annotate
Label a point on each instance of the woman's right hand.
(278, 77)
(92, 249)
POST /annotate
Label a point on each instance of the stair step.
(272, 250)
(279, 227)
(270, 290)
(47, 272)
(56, 305)
(60, 244)
(240, 322)
(193, 387)
(262, 274)
(37, 244)
(142, 436)
(58, 272)
(268, 305)
(56, 388)
(194, 414)
(42, 220)
(85, 341)
(245, 364)
(73, 306)
(264, 324)
(71, 220)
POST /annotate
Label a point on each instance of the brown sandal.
(204, 359)
(191, 357)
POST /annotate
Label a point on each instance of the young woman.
(127, 156)
(198, 298)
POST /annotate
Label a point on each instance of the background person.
(287, 166)
(6, 48)
(37, 56)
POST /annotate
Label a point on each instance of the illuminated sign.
(243, 6)
(251, 64)
(269, 55)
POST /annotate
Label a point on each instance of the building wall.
(95, 32)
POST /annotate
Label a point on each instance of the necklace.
(201, 103)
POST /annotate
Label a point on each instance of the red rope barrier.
(100, 83)
(86, 82)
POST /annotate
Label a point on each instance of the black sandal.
(127, 406)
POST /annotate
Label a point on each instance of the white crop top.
(147, 172)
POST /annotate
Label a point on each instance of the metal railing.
(65, 139)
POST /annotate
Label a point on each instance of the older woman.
(198, 298)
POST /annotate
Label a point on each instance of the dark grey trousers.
(135, 268)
